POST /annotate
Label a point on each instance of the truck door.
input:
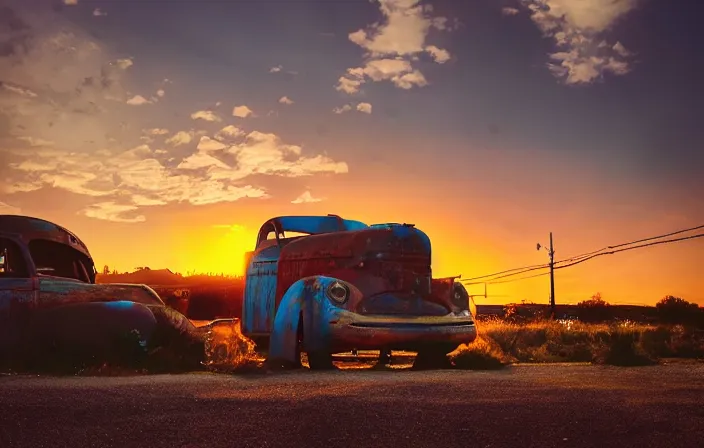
(260, 289)
(18, 296)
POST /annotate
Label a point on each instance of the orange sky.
(470, 236)
(487, 138)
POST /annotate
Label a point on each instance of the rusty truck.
(322, 285)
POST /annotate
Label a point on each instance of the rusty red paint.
(357, 257)
(29, 247)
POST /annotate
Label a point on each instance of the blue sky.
(531, 114)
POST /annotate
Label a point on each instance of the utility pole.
(552, 278)
(551, 253)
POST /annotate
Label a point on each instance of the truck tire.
(434, 356)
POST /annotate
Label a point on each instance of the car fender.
(91, 324)
(304, 302)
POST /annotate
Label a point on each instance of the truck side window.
(12, 262)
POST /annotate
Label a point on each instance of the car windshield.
(60, 260)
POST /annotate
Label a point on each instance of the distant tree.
(594, 309)
(675, 310)
(106, 270)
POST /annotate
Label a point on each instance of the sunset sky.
(165, 132)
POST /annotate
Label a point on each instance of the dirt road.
(526, 406)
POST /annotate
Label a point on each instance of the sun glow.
(219, 250)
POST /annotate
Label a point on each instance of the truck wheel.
(433, 357)
(277, 364)
(320, 361)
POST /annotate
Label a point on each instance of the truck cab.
(262, 273)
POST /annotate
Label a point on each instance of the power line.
(699, 235)
(584, 257)
(490, 282)
(629, 243)
(528, 269)
(494, 282)
(523, 269)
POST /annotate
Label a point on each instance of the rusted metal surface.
(312, 225)
(27, 228)
(260, 288)
(330, 327)
(68, 303)
(393, 302)
(399, 256)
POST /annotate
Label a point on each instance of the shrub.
(593, 310)
(675, 310)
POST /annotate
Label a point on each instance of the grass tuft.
(482, 354)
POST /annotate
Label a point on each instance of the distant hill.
(145, 276)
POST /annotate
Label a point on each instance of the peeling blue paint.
(307, 299)
(318, 224)
(119, 305)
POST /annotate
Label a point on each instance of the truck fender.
(304, 302)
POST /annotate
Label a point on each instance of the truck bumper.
(354, 331)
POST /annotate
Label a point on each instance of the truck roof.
(30, 228)
(314, 225)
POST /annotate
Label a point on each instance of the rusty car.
(322, 285)
(48, 294)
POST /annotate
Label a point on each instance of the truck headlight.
(338, 292)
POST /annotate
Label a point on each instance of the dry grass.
(545, 341)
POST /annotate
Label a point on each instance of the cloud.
(201, 160)
(66, 128)
(242, 111)
(180, 138)
(207, 144)
(361, 107)
(97, 12)
(306, 198)
(343, 109)
(59, 84)
(578, 28)
(206, 115)
(156, 131)
(138, 100)
(392, 44)
(276, 69)
(508, 11)
(160, 93)
(438, 54)
(7, 209)
(70, 2)
(18, 90)
(110, 211)
(35, 141)
(229, 132)
(124, 63)
(365, 108)
(285, 100)
(265, 153)
(127, 181)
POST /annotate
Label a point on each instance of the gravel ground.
(521, 406)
